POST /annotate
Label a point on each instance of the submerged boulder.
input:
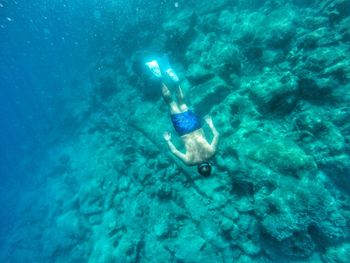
(212, 92)
(300, 245)
(337, 254)
(274, 92)
(179, 30)
(283, 156)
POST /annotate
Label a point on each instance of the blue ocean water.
(39, 57)
(86, 175)
(44, 48)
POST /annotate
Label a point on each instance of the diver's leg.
(174, 108)
(180, 99)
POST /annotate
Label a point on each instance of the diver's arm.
(173, 149)
(214, 143)
(176, 152)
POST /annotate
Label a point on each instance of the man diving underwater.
(186, 122)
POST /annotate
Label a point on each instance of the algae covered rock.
(197, 51)
(322, 139)
(223, 58)
(316, 89)
(212, 92)
(218, 57)
(337, 254)
(312, 123)
(188, 247)
(274, 93)
(282, 27)
(251, 32)
(335, 10)
(330, 61)
(249, 234)
(257, 31)
(300, 245)
(179, 30)
(197, 74)
(283, 156)
(226, 20)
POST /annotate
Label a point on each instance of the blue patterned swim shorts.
(185, 122)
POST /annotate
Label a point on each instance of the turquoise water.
(86, 175)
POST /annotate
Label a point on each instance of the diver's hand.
(208, 120)
(167, 136)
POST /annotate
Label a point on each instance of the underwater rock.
(345, 30)
(284, 156)
(274, 93)
(198, 49)
(165, 192)
(224, 59)
(156, 251)
(226, 21)
(124, 183)
(300, 245)
(322, 36)
(217, 57)
(249, 235)
(338, 168)
(323, 130)
(337, 254)
(188, 247)
(335, 10)
(207, 23)
(333, 228)
(331, 61)
(212, 92)
(316, 89)
(161, 230)
(179, 30)
(210, 231)
(102, 251)
(325, 142)
(250, 247)
(196, 74)
(250, 32)
(281, 23)
(128, 249)
(280, 226)
(226, 224)
(70, 223)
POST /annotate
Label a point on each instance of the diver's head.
(204, 169)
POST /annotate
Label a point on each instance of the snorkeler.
(186, 122)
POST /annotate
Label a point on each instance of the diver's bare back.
(197, 147)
